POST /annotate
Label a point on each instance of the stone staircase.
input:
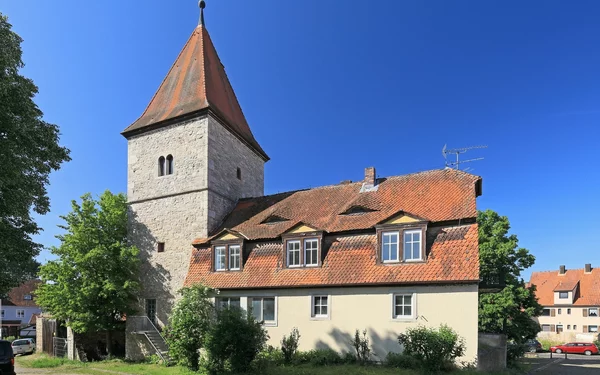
(142, 325)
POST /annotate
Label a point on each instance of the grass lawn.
(59, 365)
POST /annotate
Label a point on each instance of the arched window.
(161, 166)
(169, 164)
(239, 174)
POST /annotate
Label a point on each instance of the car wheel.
(558, 351)
(587, 352)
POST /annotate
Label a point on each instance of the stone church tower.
(191, 156)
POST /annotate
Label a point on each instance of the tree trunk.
(109, 344)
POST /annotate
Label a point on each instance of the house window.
(546, 312)
(161, 166)
(234, 257)
(412, 245)
(239, 174)
(593, 312)
(320, 307)
(574, 327)
(559, 328)
(220, 258)
(151, 310)
(20, 313)
(2, 313)
(592, 329)
(228, 302)
(546, 327)
(161, 247)
(559, 311)
(389, 246)
(563, 295)
(403, 306)
(311, 252)
(568, 327)
(263, 309)
(568, 311)
(170, 164)
(27, 297)
(293, 253)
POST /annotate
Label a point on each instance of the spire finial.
(202, 5)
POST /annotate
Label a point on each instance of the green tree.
(93, 284)
(188, 325)
(511, 310)
(29, 151)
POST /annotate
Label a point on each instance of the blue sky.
(380, 83)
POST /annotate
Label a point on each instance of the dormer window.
(27, 297)
(563, 295)
(303, 252)
(401, 243)
(227, 257)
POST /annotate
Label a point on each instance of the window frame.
(27, 297)
(559, 311)
(590, 328)
(314, 316)
(568, 311)
(560, 295)
(160, 247)
(398, 247)
(219, 299)
(169, 165)
(546, 325)
(288, 252)
(544, 310)
(303, 238)
(161, 166)
(312, 239)
(20, 313)
(401, 229)
(147, 309)
(590, 312)
(227, 245)
(413, 305)
(266, 323)
(412, 231)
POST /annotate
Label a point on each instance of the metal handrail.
(145, 323)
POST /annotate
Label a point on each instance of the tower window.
(170, 164)
(161, 247)
(161, 166)
(239, 174)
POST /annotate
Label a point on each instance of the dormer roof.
(566, 286)
(196, 83)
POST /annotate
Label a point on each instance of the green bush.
(398, 360)
(434, 348)
(318, 357)
(289, 345)
(361, 346)
(10, 338)
(271, 357)
(514, 351)
(233, 341)
(348, 358)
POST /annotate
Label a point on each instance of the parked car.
(575, 347)
(533, 346)
(7, 358)
(23, 346)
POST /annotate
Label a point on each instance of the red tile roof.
(350, 260)
(16, 296)
(566, 286)
(589, 286)
(440, 197)
(197, 81)
(437, 195)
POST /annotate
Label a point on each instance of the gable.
(302, 228)
(403, 219)
(227, 236)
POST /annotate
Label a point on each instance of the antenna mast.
(457, 151)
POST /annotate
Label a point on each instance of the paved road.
(559, 365)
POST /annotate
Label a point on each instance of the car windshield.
(5, 349)
(20, 342)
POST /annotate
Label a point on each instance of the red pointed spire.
(196, 82)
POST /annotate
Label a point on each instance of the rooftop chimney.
(562, 270)
(370, 182)
(588, 268)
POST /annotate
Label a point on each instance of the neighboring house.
(18, 310)
(571, 301)
(382, 254)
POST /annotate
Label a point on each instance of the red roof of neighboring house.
(548, 281)
(436, 195)
(350, 260)
(16, 296)
(197, 81)
(566, 286)
(440, 197)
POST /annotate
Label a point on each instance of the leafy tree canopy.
(93, 283)
(29, 151)
(511, 310)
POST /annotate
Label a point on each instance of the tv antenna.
(457, 151)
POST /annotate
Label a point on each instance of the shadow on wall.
(380, 345)
(154, 278)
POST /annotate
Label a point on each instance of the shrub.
(318, 357)
(10, 338)
(234, 341)
(270, 357)
(405, 361)
(434, 348)
(188, 325)
(348, 358)
(289, 345)
(514, 351)
(361, 345)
